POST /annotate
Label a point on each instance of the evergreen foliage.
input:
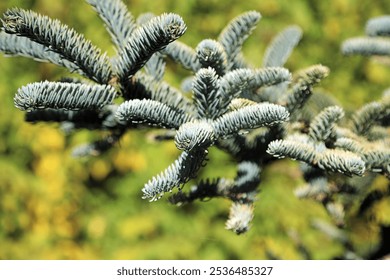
(255, 115)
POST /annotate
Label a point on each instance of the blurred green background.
(53, 206)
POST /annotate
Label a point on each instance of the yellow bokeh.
(48, 139)
(133, 227)
(41, 230)
(49, 165)
(282, 249)
(100, 169)
(377, 73)
(269, 8)
(381, 211)
(129, 160)
(332, 29)
(129, 253)
(97, 226)
(50, 169)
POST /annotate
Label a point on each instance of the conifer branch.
(366, 46)
(292, 149)
(374, 156)
(334, 160)
(376, 160)
(119, 21)
(155, 66)
(322, 126)
(150, 112)
(366, 117)
(11, 44)
(61, 39)
(281, 47)
(249, 117)
(147, 39)
(195, 135)
(302, 86)
(341, 161)
(378, 26)
(211, 53)
(177, 174)
(240, 217)
(69, 96)
(235, 33)
(349, 145)
(205, 93)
